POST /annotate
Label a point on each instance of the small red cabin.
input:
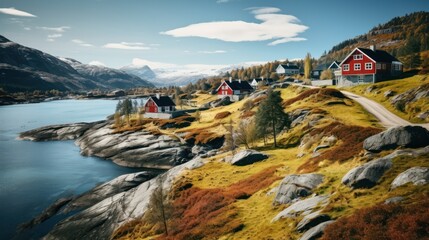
(368, 66)
(159, 104)
(234, 89)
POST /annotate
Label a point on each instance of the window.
(397, 67)
(378, 66)
(345, 67)
(316, 73)
(358, 57)
(356, 67)
(368, 66)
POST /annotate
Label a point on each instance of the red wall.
(151, 106)
(362, 62)
(228, 89)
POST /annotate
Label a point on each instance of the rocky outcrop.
(367, 175)
(312, 220)
(247, 157)
(57, 132)
(415, 175)
(131, 148)
(120, 184)
(393, 200)
(303, 207)
(295, 186)
(315, 232)
(103, 218)
(407, 136)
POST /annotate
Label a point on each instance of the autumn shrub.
(351, 143)
(247, 114)
(259, 99)
(319, 93)
(383, 222)
(209, 213)
(222, 115)
(247, 105)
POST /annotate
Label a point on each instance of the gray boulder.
(57, 132)
(295, 186)
(389, 93)
(407, 136)
(315, 232)
(247, 157)
(312, 220)
(367, 175)
(415, 175)
(393, 200)
(303, 207)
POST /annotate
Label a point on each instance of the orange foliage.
(351, 137)
(320, 93)
(222, 115)
(389, 222)
(247, 114)
(208, 213)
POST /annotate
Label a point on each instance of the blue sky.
(208, 32)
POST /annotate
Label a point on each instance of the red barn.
(159, 104)
(235, 90)
(368, 66)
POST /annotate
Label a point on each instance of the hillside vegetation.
(407, 98)
(223, 201)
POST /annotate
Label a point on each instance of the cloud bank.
(16, 12)
(127, 46)
(81, 43)
(279, 28)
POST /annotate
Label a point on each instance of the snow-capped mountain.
(165, 74)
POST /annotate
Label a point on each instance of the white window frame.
(358, 57)
(355, 67)
(346, 67)
(368, 66)
(378, 66)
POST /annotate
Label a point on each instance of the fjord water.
(35, 174)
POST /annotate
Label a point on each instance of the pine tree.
(270, 117)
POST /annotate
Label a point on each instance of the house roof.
(237, 85)
(265, 79)
(334, 64)
(163, 101)
(322, 67)
(289, 66)
(376, 56)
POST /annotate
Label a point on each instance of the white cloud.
(50, 40)
(55, 29)
(263, 10)
(16, 12)
(81, 43)
(127, 46)
(222, 1)
(27, 28)
(55, 35)
(97, 63)
(279, 28)
(142, 62)
(212, 52)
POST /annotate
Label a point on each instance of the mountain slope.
(27, 69)
(401, 36)
(107, 77)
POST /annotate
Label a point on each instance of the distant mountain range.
(27, 69)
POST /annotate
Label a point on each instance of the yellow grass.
(399, 86)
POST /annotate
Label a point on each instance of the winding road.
(387, 118)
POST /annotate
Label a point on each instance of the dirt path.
(387, 118)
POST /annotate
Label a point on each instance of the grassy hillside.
(410, 108)
(222, 201)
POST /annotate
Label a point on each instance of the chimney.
(230, 79)
(158, 96)
(239, 80)
(372, 47)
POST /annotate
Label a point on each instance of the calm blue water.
(35, 174)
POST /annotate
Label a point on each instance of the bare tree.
(246, 132)
(160, 209)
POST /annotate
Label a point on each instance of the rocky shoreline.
(140, 149)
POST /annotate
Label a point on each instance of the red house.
(235, 90)
(159, 104)
(368, 66)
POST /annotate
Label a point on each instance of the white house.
(287, 69)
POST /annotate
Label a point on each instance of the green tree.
(307, 66)
(159, 209)
(246, 133)
(270, 117)
(127, 109)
